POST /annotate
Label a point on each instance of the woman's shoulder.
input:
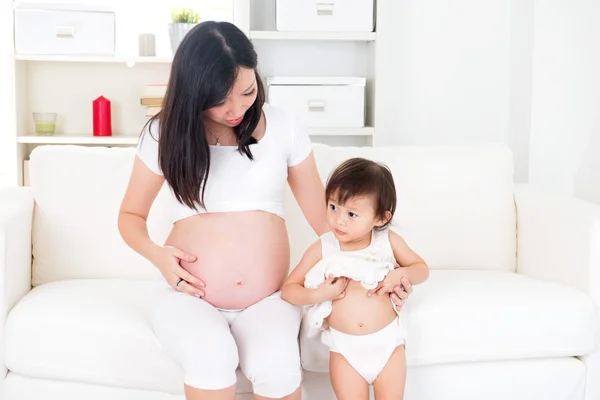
(286, 130)
(278, 115)
(147, 147)
(151, 130)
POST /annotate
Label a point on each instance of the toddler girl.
(343, 277)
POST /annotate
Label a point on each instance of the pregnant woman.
(226, 156)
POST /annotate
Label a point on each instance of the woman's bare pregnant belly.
(359, 314)
(242, 257)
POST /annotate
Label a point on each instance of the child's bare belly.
(359, 314)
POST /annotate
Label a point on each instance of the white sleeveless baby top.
(369, 266)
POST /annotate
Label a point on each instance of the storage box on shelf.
(325, 16)
(327, 102)
(64, 29)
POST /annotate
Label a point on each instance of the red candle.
(101, 111)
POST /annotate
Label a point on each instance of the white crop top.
(236, 183)
(368, 266)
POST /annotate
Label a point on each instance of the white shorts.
(209, 343)
(367, 354)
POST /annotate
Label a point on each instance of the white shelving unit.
(92, 59)
(80, 139)
(119, 140)
(338, 36)
(68, 84)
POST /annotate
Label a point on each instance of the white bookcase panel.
(67, 85)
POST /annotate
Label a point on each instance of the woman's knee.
(267, 338)
(273, 364)
(275, 382)
(210, 365)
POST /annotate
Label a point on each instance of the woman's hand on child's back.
(332, 289)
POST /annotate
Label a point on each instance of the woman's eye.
(250, 93)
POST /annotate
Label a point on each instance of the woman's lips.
(235, 121)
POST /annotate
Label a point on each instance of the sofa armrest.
(559, 241)
(16, 216)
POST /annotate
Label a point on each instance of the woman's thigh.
(197, 336)
(267, 337)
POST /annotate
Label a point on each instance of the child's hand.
(385, 286)
(332, 289)
(394, 278)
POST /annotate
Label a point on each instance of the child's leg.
(346, 382)
(389, 384)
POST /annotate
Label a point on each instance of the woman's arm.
(141, 192)
(309, 192)
(142, 189)
(293, 290)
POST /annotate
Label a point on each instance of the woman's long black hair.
(203, 73)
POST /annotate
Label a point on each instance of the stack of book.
(152, 98)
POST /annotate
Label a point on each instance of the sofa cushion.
(99, 331)
(466, 316)
(455, 207)
(94, 331)
(455, 204)
(78, 191)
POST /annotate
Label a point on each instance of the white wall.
(565, 117)
(446, 71)
(456, 72)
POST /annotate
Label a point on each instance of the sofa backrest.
(455, 208)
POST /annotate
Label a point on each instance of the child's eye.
(332, 207)
(352, 215)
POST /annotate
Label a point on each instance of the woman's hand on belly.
(168, 260)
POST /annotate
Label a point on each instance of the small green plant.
(184, 15)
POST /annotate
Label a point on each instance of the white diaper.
(367, 354)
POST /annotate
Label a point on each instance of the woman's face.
(231, 111)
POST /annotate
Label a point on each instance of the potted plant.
(182, 21)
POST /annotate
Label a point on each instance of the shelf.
(342, 36)
(364, 131)
(93, 59)
(79, 139)
(132, 140)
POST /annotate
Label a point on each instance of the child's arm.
(410, 266)
(293, 290)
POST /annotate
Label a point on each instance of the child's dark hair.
(362, 177)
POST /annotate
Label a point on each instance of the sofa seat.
(468, 316)
(98, 331)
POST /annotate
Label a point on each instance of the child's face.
(353, 220)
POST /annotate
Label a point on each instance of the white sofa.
(509, 311)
